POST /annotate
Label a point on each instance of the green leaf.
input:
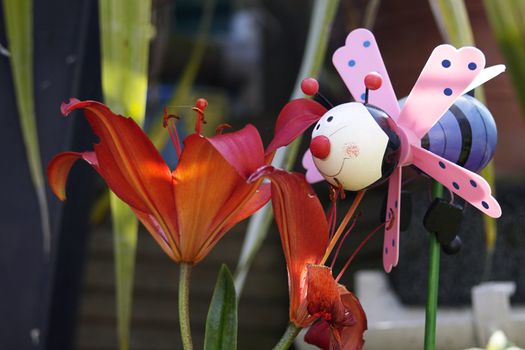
(158, 134)
(221, 323)
(125, 32)
(507, 20)
(18, 16)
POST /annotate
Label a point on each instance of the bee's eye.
(318, 126)
(329, 119)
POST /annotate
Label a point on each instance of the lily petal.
(157, 232)
(352, 336)
(256, 201)
(58, 171)
(319, 335)
(293, 120)
(209, 192)
(243, 149)
(304, 232)
(129, 162)
(323, 295)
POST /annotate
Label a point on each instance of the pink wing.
(358, 57)
(312, 174)
(391, 242)
(445, 76)
(468, 185)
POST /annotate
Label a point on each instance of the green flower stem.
(453, 22)
(184, 306)
(288, 337)
(433, 283)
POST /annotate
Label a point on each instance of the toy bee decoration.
(439, 129)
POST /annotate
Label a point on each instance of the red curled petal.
(319, 335)
(58, 171)
(352, 336)
(323, 295)
(304, 233)
(293, 120)
(129, 162)
(243, 149)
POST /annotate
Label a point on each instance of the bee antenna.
(310, 87)
(373, 81)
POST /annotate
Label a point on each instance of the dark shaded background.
(35, 294)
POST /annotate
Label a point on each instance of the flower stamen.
(343, 224)
(200, 106)
(345, 267)
(221, 127)
(342, 240)
(332, 218)
(168, 121)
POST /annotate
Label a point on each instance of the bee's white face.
(353, 146)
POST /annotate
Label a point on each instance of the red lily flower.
(314, 293)
(188, 210)
(342, 319)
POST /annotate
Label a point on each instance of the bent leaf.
(18, 16)
(221, 323)
(125, 32)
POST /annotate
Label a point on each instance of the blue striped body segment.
(466, 134)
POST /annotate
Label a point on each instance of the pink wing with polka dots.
(391, 240)
(466, 184)
(444, 78)
(355, 60)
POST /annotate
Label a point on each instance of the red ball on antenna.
(201, 104)
(373, 80)
(310, 86)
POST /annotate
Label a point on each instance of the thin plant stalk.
(125, 33)
(288, 337)
(433, 282)
(184, 306)
(323, 13)
(453, 22)
(18, 16)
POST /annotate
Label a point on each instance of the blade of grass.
(158, 134)
(453, 22)
(125, 30)
(507, 20)
(18, 16)
(323, 13)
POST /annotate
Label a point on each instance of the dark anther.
(220, 128)
(166, 117)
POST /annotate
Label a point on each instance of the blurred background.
(244, 57)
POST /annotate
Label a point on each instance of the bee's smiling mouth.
(338, 171)
(342, 162)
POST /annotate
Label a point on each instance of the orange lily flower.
(188, 210)
(314, 293)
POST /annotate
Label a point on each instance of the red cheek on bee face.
(320, 147)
